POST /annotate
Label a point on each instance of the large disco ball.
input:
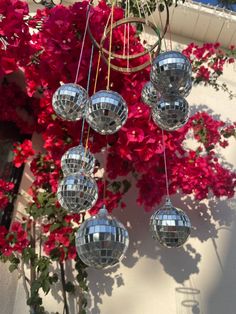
(69, 101)
(170, 73)
(171, 114)
(150, 95)
(76, 159)
(170, 226)
(77, 192)
(107, 112)
(101, 240)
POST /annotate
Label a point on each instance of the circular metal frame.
(129, 20)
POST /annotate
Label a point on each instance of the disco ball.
(170, 73)
(76, 159)
(149, 94)
(171, 114)
(170, 226)
(69, 101)
(77, 192)
(101, 240)
(107, 112)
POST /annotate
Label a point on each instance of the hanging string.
(110, 46)
(125, 30)
(165, 165)
(170, 37)
(151, 15)
(83, 41)
(162, 29)
(96, 79)
(105, 172)
(108, 85)
(88, 85)
(139, 11)
(128, 42)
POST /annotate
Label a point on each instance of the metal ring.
(127, 21)
(105, 52)
(117, 56)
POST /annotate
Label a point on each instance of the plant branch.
(63, 282)
(24, 279)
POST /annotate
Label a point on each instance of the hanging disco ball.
(170, 73)
(171, 114)
(150, 95)
(69, 101)
(170, 226)
(107, 112)
(77, 192)
(76, 159)
(101, 240)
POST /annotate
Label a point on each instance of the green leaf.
(34, 300)
(46, 286)
(12, 267)
(35, 286)
(69, 287)
(126, 185)
(54, 278)
(54, 226)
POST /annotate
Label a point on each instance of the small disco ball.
(101, 240)
(170, 73)
(107, 112)
(76, 159)
(69, 101)
(170, 226)
(150, 95)
(77, 192)
(171, 114)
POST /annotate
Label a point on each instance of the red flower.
(22, 152)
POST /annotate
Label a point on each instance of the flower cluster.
(208, 63)
(5, 190)
(22, 152)
(15, 240)
(14, 36)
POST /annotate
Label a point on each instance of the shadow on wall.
(222, 298)
(207, 218)
(179, 263)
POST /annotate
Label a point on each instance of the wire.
(105, 172)
(110, 46)
(162, 29)
(128, 34)
(165, 165)
(83, 41)
(96, 80)
(88, 85)
(170, 37)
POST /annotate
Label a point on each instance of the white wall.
(198, 278)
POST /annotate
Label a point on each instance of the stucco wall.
(198, 278)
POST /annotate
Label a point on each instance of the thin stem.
(24, 280)
(63, 282)
(165, 164)
(33, 308)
